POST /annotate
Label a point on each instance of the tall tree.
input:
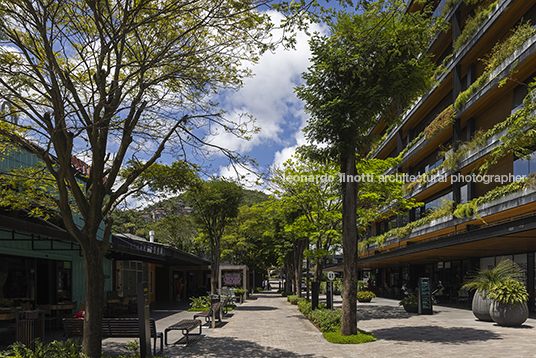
(215, 203)
(116, 82)
(370, 65)
(312, 188)
(246, 240)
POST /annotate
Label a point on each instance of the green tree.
(129, 222)
(370, 65)
(311, 188)
(246, 241)
(177, 230)
(116, 82)
(215, 203)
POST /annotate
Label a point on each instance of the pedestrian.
(404, 289)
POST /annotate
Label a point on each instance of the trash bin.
(30, 325)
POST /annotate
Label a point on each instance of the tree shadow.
(255, 308)
(232, 347)
(370, 312)
(435, 334)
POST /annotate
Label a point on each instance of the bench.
(208, 314)
(113, 327)
(186, 325)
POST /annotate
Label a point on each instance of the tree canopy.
(369, 68)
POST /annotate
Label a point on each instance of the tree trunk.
(92, 339)
(299, 248)
(288, 276)
(215, 267)
(349, 247)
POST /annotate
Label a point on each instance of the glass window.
(521, 167)
(524, 167)
(463, 192)
(132, 274)
(487, 263)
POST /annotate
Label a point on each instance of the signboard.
(425, 296)
(331, 275)
(144, 314)
(232, 279)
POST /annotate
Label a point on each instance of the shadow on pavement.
(232, 347)
(255, 308)
(369, 312)
(435, 334)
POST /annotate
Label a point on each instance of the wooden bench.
(186, 326)
(208, 314)
(113, 327)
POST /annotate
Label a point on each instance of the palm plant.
(485, 280)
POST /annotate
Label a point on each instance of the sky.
(269, 96)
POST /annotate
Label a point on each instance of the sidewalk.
(269, 326)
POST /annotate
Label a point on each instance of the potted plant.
(239, 292)
(410, 303)
(509, 306)
(484, 280)
(365, 296)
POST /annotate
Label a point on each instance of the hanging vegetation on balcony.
(472, 24)
(502, 50)
(401, 232)
(442, 121)
(469, 209)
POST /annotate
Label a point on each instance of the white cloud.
(248, 176)
(269, 97)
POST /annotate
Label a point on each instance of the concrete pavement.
(269, 326)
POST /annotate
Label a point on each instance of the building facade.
(479, 115)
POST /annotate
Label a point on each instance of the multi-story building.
(451, 133)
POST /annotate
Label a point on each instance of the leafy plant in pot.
(509, 306)
(365, 296)
(410, 303)
(484, 280)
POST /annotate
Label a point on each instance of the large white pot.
(508, 315)
(481, 307)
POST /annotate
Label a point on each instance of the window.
(131, 275)
(523, 167)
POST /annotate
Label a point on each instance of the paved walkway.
(270, 327)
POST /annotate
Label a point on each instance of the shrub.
(411, 301)
(293, 299)
(360, 337)
(305, 307)
(327, 320)
(58, 349)
(199, 302)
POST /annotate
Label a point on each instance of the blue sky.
(269, 97)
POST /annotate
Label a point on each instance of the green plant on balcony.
(442, 121)
(502, 50)
(470, 208)
(464, 96)
(444, 210)
(472, 24)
